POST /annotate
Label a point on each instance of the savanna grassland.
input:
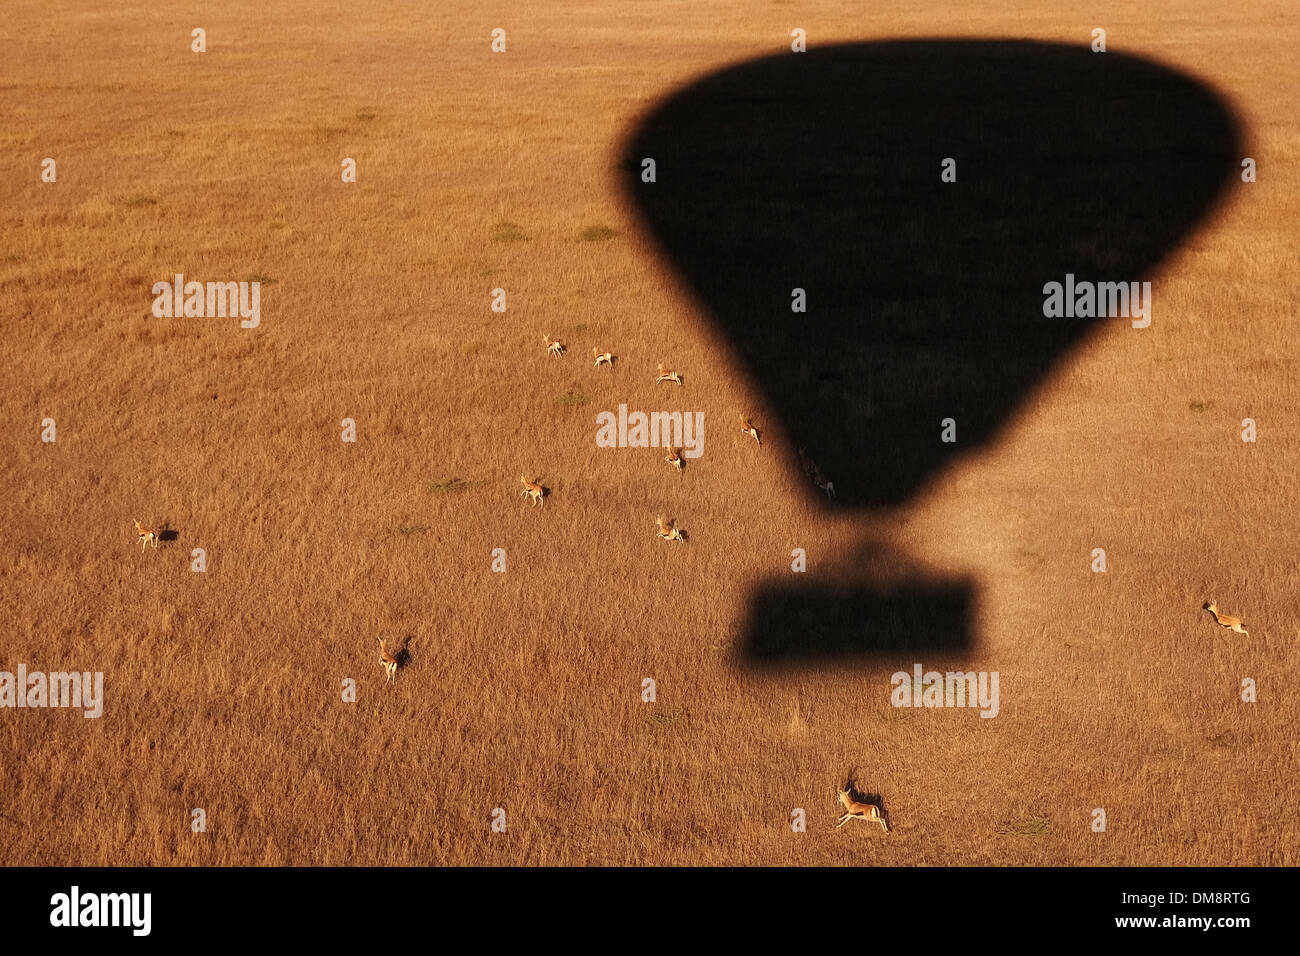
(523, 689)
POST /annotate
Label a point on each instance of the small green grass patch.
(507, 231)
(598, 233)
(1030, 825)
(572, 398)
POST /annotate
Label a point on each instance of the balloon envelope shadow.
(821, 172)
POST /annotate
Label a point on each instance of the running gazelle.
(668, 532)
(807, 465)
(534, 491)
(825, 484)
(814, 471)
(387, 661)
(667, 375)
(1225, 620)
(856, 810)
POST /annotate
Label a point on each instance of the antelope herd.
(819, 478)
(666, 530)
(556, 348)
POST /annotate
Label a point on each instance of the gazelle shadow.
(403, 655)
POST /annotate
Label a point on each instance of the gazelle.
(1232, 623)
(667, 532)
(821, 481)
(387, 661)
(603, 358)
(675, 459)
(667, 375)
(554, 346)
(534, 491)
(853, 810)
(748, 428)
(806, 464)
(146, 535)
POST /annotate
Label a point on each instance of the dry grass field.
(523, 689)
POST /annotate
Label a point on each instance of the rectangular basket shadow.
(818, 626)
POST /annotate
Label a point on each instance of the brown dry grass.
(523, 689)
